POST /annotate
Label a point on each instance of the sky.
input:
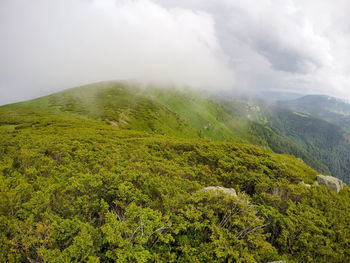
(293, 46)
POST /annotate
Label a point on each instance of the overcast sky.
(256, 45)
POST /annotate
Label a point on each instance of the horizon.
(268, 95)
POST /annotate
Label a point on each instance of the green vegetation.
(281, 144)
(127, 106)
(79, 183)
(211, 119)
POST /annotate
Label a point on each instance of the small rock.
(279, 261)
(304, 184)
(224, 190)
(330, 182)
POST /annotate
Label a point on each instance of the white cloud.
(292, 45)
(49, 45)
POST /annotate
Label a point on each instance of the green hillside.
(122, 105)
(208, 116)
(103, 175)
(155, 110)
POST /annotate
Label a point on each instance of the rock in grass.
(330, 182)
(224, 190)
(304, 184)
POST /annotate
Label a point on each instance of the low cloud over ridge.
(50, 45)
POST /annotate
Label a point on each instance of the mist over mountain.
(331, 109)
(319, 105)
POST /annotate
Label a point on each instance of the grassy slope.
(170, 112)
(115, 104)
(208, 117)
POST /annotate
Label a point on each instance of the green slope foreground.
(74, 189)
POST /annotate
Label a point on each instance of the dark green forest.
(327, 143)
(110, 175)
(322, 144)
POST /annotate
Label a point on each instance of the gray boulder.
(223, 190)
(330, 182)
(280, 261)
